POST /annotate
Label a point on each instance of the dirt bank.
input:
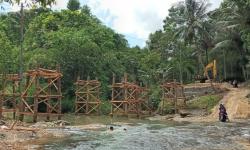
(236, 103)
(22, 135)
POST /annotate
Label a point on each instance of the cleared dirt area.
(236, 102)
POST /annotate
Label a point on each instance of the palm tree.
(193, 14)
(192, 22)
(234, 20)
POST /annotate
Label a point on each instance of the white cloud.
(17, 7)
(60, 4)
(134, 18)
(138, 17)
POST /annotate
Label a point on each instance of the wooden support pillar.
(36, 99)
(98, 97)
(87, 94)
(126, 97)
(59, 92)
(23, 98)
(47, 94)
(113, 94)
(2, 95)
(1, 106)
(77, 88)
(76, 98)
(48, 109)
(125, 93)
(14, 101)
(163, 99)
(175, 96)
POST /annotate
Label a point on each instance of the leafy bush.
(105, 107)
(204, 102)
(68, 104)
(155, 96)
(165, 107)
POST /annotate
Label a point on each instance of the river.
(143, 134)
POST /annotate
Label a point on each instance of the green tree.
(85, 9)
(73, 5)
(233, 20)
(6, 54)
(191, 17)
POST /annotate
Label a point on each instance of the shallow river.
(152, 135)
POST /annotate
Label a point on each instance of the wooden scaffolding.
(146, 106)
(173, 92)
(127, 98)
(9, 93)
(87, 96)
(42, 94)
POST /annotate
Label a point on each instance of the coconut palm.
(234, 21)
(192, 21)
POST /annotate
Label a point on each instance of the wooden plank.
(9, 110)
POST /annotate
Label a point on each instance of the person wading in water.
(223, 114)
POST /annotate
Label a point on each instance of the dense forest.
(191, 37)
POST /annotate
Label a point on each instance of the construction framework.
(42, 94)
(9, 93)
(173, 92)
(128, 98)
(146, 105)
(87, 96)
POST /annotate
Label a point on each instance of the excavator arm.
(210, 70)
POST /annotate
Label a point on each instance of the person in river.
(111, 128)
(223, 113)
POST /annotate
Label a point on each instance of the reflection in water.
(148, 135)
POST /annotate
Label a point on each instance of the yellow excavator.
(210, 72)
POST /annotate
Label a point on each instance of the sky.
(135, 19)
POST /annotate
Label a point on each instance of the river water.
(142, 134)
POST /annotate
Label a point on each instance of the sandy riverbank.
(236, 102)
(22, 135)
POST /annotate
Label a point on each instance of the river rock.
(61, 122)
(2, 122)
(2, 136)
(4, 127)
(57, 123)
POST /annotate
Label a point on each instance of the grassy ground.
(204, 102)
(165, 107)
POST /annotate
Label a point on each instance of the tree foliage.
(73, 5)
(221, 34)
(191, 37)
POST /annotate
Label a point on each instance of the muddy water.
(153, 135)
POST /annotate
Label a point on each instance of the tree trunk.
(206, 56)
(201, 64)
(224, 64)
(180, 67)
(242, 66)
(244, 72)
(231, 69)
